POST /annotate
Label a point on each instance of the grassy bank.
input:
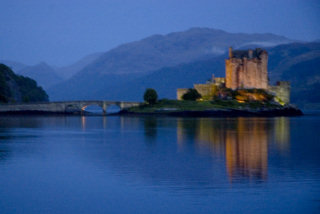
(182, 105)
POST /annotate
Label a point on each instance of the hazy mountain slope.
(68, 71)
(104, 86)
(298, 63)
(155, 52)
(282, 57)
(16, 88)
(45, 75)
(13, 64)
(167, 80)
(175, 48)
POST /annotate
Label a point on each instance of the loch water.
(123, 164)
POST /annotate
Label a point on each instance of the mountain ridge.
(141, 57)
(43, 73)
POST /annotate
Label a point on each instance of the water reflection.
(242, 144)
(282, 133)
(83, 122)
(150, 127)
(242, 141)
(247, 150)
(86, 164)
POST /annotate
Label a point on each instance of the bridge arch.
(113, 108)
(93, 108)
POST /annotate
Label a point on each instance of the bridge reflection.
(243, 142)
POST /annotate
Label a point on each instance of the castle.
(245, 69)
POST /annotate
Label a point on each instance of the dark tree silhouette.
(150, 96)
(192, 94)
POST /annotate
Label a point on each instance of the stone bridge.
(64, 107)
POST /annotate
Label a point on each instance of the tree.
(150, 96)
(192, 94)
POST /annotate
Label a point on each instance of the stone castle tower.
(247, 69)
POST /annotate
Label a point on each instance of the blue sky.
(62, 31)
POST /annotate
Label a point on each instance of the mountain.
(167, 80)
(134, 60)
(68, 71)
(44, 74)
(16, 88)
(13, 65)
(47, 75)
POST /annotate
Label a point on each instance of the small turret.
(230, 53)
(212, 78)
(250, 54)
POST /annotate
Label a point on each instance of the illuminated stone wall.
(247, 69)
(281, 91)
(181, 92)
(206, 90)
(220, 81)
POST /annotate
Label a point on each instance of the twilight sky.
(62, 31)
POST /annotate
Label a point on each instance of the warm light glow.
(83, 122)
(242, 142)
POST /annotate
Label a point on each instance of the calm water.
(159, 165)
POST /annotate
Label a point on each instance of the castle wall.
(206, 90)
(219, 81)
(281, 91)
(181, 92)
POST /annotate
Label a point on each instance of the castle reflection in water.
(243, 142)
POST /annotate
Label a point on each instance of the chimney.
(250, 53)
(230, 52)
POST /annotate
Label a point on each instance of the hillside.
(44, 74)
(298, 63)
(16, 88)
(136, 59)
(167, 80)
(16, 66)
(48, 76)
(68, 71)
